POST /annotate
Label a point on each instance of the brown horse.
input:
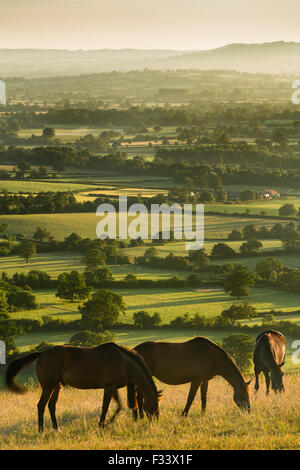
(108, 366)
(269, 357)
(196, 361)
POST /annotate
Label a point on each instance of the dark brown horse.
(196, 361)
(108, 366)
(269, 357)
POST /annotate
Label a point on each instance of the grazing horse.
(196, 361)
(269, 357)
(108, 366)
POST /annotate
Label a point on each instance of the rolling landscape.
(203, 124)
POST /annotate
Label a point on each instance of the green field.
(132, 338)
(170, 303)
(269, 207)
(61, 225)
(42, 186)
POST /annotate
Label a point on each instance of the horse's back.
(175, 363)
(82, 367)
(270, 346)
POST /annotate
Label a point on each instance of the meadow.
(61, 225)
(223, 426)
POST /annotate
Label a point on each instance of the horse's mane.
(271, 331)
(219, 348)
(135, 356)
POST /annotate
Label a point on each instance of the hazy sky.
(162, 24)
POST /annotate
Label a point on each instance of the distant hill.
(275, 57)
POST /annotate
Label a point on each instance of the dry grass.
(273, 424)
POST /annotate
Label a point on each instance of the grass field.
(61, 225)
(57, 263)
(42, 186)
(133, 337)
(224, 426)
(170, 303)
(269, 207)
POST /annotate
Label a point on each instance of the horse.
(108, 366)
(269, 357)
(195, 361)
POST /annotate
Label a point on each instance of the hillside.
(275, 57)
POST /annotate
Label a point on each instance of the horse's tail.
(14, 368)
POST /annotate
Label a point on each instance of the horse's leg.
(267, 377)
(108, 393)
(116, 397)
(140, 404)
(46, 394)
(257, 372)
(52, 405)
(193, 390)
(131, 400)
(204, 387)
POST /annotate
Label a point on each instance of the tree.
(8, 332)
(21, 299)
(250, 246)
(287, 210)
(239, 312)
(26, 250)
(94, 278)
(240, 347)
(249, 232)
(248, 195)
(72, 286)
(102, 311)
(238, 282)
(3, 228)
(199, 258)
(207, 196)
(235, 234)
(48, 133)
(221, 196)
(41, 234)
(93, 259)
(266, 267)
(221, 250)
(143, 319)
(130, 278)
(88, 338)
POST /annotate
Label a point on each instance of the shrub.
(90, 338)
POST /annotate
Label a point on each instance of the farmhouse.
(271, 194)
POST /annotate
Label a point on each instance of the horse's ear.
(248, 383)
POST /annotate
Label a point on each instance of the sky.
(146, 24)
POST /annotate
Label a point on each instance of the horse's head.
(151, 405)
(241, 396)
(276, 378)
